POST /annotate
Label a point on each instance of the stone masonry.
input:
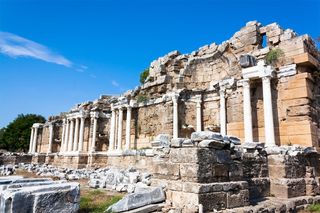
(194, 110)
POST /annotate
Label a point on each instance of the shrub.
(273, 57)
(144, 75)
(141, 98)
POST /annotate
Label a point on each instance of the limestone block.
(184, 155)
(162, 140)
(288, 188)
(259, 187)
(141, 197)
(177, 142)
(57, 197)
(237, 198)
(213, 201)
(167, 171)
(213, 144)
(203, 135)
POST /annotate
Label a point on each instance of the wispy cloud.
(16, 46)
(115, 84)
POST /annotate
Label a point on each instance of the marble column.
(50, 138)
(112, 129)
(247, 117)
(62, 136)
(81, 134)
(76, 136)
(35, 138)
(31, 140)
(94, 132)
(71, 132)
(268, 113)
(66, 136)
(175, 115)
(120, 118)
(128, 127)
(199, 126)
(223, 123)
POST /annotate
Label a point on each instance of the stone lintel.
(287, 70)
(258, 71)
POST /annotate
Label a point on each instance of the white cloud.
(114, 83)
(16, 46)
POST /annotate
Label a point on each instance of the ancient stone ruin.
(217, 129)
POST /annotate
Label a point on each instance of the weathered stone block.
(166, 171)
(141, 197)
(214, 200)
(206, 135)
(184, 155)
(237, 198)
(288, 188)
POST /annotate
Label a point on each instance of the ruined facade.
(260, 87)
(226, 88)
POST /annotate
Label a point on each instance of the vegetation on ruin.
(16, 136)
(141, 98)
(144, 75)
(274, 56)
(96, 201)
(314, 208)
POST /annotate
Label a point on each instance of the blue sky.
(54, 54)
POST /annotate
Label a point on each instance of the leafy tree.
(16, 136)
(144, 75)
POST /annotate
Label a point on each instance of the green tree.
(16, 136)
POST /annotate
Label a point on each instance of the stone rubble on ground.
(38, 195)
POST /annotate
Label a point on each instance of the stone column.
(128, 127)
(80, 146)
(35, 138)
(175, 115)
(199, 126)
(66, 136)
(119, 146)
(112, 129)
(62, 136)
(76, 136)
(247, 117)
(31, 140)
(223, 122)
(71, 131)
(268, 113)
(94, 132)
(50, 138)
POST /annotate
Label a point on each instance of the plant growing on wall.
(274, 56)
(141, 98)
(144, 75)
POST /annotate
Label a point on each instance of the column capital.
(244, 82)
(175, 97)
(266, 78)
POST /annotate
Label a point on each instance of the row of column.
(72, 134)
(268, 113)
(116, 124)
(33, 139)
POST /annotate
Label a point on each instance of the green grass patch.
(96, 201)
(314, 208)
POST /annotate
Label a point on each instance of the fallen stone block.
(206, 135)
(55, 197)
(141, 197)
